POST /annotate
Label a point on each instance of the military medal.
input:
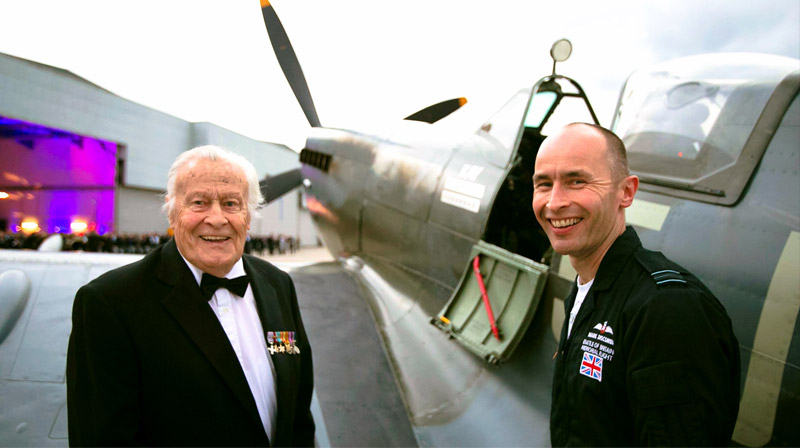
(295, 348)
(287, 341)
(271, 341)
(282, 342)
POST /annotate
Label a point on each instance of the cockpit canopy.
(687, 122)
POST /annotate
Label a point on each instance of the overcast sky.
(372, 61)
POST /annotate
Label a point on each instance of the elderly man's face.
(210, 217)
(576, 199)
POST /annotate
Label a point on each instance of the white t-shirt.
(582, 291)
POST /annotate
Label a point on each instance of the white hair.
(210, 152)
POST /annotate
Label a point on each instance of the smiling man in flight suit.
(179, 349)
(647, 355)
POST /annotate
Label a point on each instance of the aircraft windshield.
(692, 118)
(504, 124)
(540, 105)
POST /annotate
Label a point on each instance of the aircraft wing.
(450, 393)
(32, 357)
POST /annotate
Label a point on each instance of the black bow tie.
(210, 284)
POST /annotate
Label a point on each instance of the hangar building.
(73, 152)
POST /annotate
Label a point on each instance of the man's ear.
(628, 188)
(169, 212)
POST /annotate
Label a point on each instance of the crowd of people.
(139, 243)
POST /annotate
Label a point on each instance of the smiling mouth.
(214, 239)
(562, 223)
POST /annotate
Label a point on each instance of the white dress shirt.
(239, 318)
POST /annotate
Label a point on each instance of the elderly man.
(194, 345)
(647, 355)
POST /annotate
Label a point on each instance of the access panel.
(513, 286)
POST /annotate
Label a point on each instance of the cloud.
(684, 28)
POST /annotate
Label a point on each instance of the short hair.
(210, 152)
(616, 149)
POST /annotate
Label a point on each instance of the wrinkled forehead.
(201, 174)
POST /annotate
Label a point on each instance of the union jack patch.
(592, 366)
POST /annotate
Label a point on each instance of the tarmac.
(306, 255)
(356, 389)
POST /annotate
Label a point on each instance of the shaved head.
(615, 149)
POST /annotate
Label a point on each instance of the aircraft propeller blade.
(273, 187)
(432, 114)
(288, 62)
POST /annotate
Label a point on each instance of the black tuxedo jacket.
(148, 362)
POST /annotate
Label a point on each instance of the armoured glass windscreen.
(540, 105)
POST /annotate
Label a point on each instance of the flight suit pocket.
(666, 410)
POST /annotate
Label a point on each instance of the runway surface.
(355, 385)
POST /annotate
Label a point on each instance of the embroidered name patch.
(600, 342)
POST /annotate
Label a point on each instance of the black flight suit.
(651, 360)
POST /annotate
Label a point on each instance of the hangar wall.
(56, 98)
(139, 211)
(150, 139)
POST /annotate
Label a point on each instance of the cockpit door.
(514, 287)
